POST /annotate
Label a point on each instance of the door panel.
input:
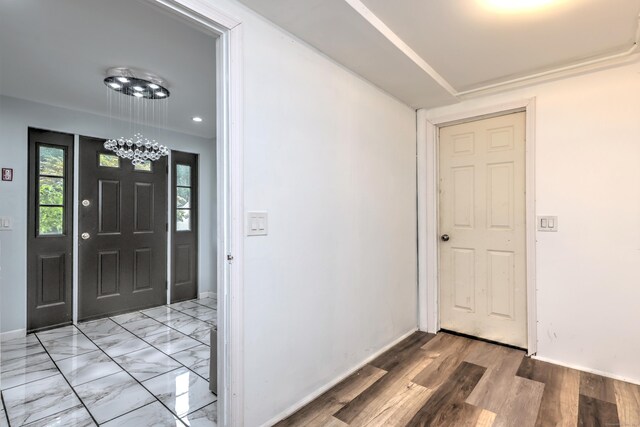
(50, 231)
(463, 205)
(108, 206)
(482, 209)
(142, 269)
(184, 229)
(108, 273)
(123, 260)
(143, 205)
(500, 283)
(464, 280)
(51, 279)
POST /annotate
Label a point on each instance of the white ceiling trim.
(379, 25)
(556, 72)
(562, 71)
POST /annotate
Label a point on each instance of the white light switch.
(257, 224)
(6, 223)
(547, 223)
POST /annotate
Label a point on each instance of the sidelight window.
(51, 190)
(183, 197)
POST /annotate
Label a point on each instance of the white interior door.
(482, 229)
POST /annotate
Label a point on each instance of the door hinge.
(167, 226)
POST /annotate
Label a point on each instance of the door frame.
(230, 197)
(429, 209)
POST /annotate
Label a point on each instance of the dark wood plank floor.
(447, 380)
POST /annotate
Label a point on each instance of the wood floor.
(447, 380)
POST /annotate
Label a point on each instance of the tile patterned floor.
(146, 368)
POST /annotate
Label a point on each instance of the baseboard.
(584, 369)
(9, 335)
(206, 295)
(295, 407)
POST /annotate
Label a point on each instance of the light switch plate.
(257, 224)
(547, 223)
(6, 223)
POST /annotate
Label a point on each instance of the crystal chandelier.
(144, 107)
(139, 149)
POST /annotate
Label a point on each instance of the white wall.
(588, 173)
(332, 160)
(16, 116)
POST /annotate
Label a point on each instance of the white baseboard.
(591, 371)
(295, 407)
(9, 335)
(207, 295)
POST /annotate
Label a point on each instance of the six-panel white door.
(482, 211)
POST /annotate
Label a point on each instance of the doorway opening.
(196, 214)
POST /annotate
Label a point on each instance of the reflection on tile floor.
(147, 368)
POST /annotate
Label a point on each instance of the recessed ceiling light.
(161, 94)
(138, 95)
(123, 80)
(115, 85)
(153, 86)
(138, 88)
(196, 119)
(517, 5)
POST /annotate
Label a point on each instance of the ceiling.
(430, 53)
(57, 53)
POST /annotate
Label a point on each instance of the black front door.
(50, 232)
(123, 232)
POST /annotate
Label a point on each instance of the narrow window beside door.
(51, 190)
(183, 197)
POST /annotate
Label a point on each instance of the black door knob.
(444, 237)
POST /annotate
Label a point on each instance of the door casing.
(428, 209)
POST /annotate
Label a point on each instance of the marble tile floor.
(146, 368)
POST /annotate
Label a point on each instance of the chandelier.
(144, 107)
(139, 150)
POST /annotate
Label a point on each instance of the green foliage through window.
(51, 220)
(109, 160)
(51, 185)
(51, 161)
(145, 166)
(51, 191)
